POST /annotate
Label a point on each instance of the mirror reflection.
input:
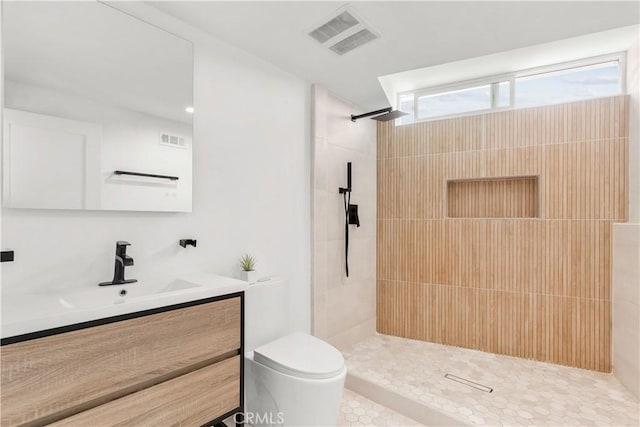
(98, 110)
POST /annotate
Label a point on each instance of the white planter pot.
(249, 276)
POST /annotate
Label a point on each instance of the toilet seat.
(301, 355)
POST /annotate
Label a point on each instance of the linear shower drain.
(468, 383)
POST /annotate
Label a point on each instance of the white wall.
(251, 191)
(344, 308)
(626, 250)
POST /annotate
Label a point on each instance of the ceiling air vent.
(343, 32)
(353, 41)
(337, 25)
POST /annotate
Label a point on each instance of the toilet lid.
(301, 355)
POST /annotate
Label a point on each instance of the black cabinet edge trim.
(99, 322)
(242, 350)
(221, 418)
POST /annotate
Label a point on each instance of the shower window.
(454, 102)
(575, 81)
(502, 94)
(405, 104)
(574, 84)
(426, 105)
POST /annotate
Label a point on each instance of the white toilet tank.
(265, 312)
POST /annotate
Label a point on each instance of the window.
(595, 78)
(568, 85)
(405, 103)
(504, 94)
(458, 101)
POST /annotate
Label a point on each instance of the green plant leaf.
(247, 262)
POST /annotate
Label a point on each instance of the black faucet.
(122, 260)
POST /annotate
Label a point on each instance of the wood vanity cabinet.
(174, 365)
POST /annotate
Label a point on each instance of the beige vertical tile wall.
(633, 89)
(626, 305)
(539, 287)
(344, 309)
(626, 250)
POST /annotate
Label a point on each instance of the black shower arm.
(372, 113)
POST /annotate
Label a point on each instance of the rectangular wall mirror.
(97, 112)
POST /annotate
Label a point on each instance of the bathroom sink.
(118, 294)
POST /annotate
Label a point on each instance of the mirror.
(98, 110)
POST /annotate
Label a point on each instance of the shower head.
(391, 115)
(382, 115)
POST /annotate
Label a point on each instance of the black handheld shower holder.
(351, 216)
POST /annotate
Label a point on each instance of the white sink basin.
(106, 295)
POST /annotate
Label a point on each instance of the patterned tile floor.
(359, 411)
(525, 392)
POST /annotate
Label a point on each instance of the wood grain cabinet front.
(178, 351)
(189, 400)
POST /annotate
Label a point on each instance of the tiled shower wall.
(626, 249)
(344, 308)
(535, 287)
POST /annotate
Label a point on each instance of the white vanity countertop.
(26, 313)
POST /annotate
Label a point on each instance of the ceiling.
(414, 34)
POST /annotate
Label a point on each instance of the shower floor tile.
(357, 410)
(525, 392)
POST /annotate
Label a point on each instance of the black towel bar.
(150, 175)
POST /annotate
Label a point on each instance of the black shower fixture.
(347, 189)
(188, 242)
(350, 214)
(382, 115)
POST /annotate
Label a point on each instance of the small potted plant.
(248, 264)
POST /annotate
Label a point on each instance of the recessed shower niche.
(505, 197)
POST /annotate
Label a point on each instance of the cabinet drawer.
(50, 378)
(190, 400)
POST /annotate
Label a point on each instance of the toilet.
(291, 379)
